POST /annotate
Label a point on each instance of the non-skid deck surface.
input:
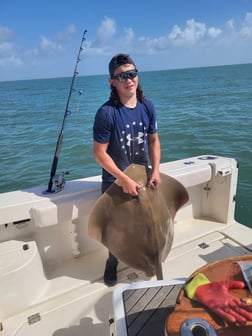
(146, 309)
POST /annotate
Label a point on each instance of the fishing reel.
(59, 182)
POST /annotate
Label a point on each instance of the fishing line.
(58, 181)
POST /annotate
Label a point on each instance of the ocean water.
(200, 111)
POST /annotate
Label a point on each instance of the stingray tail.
(159, 270)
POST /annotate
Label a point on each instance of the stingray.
(138, 230)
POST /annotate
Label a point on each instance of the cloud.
(246, 30)
(48, 46)
(56, 44)
(8, 53)
(12, 54)
(129, 35)
(214, 32)
(67, 34)
(104, 32)
(8, 56)
(192, 36)
(5, 47)
(230, 24)
(127, 41)
(193, 32)
(5, 34)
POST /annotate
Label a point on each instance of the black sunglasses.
(123, 76)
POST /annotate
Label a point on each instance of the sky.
(41, 38)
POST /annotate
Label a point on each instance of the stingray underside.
(138, 230)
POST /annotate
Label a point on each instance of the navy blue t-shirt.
(126, 131)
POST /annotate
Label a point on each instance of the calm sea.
(200, 111)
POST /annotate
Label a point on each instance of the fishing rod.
(58, 180)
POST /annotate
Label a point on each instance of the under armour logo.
(139, 138)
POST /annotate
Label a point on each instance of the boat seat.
(193, 175)
(50, 213)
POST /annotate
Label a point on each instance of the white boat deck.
(78, 302)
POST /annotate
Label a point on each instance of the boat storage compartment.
(22, 278)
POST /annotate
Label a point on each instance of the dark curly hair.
(114, 97)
